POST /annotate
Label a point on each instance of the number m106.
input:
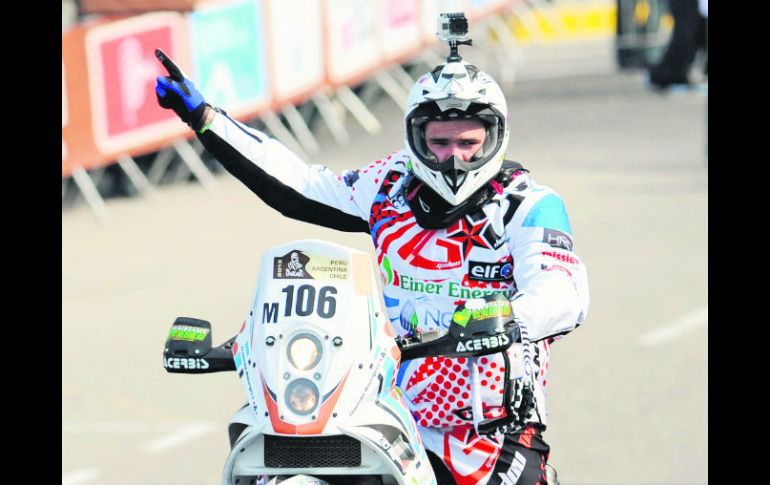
(303, 302)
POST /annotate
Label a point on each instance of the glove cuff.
(197, 117)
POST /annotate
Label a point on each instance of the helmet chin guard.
(454, 173)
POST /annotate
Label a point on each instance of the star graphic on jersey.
(468, 234)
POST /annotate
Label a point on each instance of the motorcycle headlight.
(304, 351)
(302, 396)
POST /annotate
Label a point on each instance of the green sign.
(228, 53)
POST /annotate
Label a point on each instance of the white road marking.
(185, 434)
(122, 427)
(677, 328)
(81, 475)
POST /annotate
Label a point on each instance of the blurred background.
(153, 227)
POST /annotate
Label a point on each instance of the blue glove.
(179, 94)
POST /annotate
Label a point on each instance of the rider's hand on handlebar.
(179, 94)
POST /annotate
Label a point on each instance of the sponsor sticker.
(188, 333)
(516, 469)
(479, 271)
(452, 289)
(556, 267)
(557, 239)
(351, 178)
(461, 317)
(493, 309)
(445, 104)
(492, 238)
(483, 343)
(292, 265)
(488, 310)
(296, 264)
(564, 258)
(185, 363)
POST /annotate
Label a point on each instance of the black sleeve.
(284, 199)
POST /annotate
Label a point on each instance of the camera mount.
(453, 29)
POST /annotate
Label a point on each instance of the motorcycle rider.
(450, 220)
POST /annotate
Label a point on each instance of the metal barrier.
(256, 59)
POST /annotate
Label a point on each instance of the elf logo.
(490, 271)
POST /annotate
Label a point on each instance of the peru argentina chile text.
(449, 288)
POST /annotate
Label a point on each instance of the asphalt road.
(628, 391)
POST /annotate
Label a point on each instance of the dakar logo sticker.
(290, 266)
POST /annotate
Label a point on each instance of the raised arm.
(310, 193)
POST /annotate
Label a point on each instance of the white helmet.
(453, 91)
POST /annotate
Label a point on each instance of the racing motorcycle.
(318, 359)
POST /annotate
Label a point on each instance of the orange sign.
(122, 69)
(78, 148)
(88, 102)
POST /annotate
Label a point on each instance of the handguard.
(188, 349)
(479, 327)
(484, 329)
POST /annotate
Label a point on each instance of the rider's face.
(462, 138)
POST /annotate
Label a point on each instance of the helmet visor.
(494, 134)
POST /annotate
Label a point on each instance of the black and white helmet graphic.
(454, 91)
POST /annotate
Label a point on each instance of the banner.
(77, 144)
(399, 29)
(64, 110)
(122, 69)
(247, 56)
(296, 46)
(227, 41)
(352, 47)
(482, 8)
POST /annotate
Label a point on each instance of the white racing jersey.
(518, 244)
